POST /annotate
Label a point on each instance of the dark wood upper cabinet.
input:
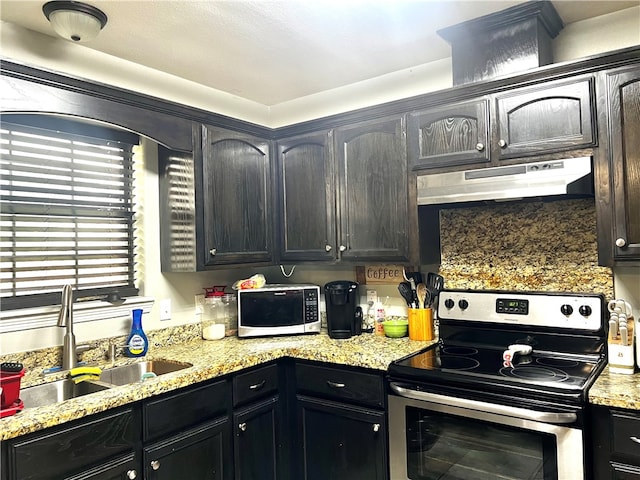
(618, 167)
(372, 191)
(306, 198)
(234, 199)
(545, 119)
(451, 135)
(522, 123)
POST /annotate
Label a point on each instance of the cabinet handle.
(620, 242)
(327, 248)
(502, 143)
(257, 386)
(634, 439)
(376, 427)
(342, 248)
(242, 426)
(335, 384)
(212, 252)
(132, 474)
(155, 464)
(480, 146)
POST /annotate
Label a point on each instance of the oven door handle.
(537, 416)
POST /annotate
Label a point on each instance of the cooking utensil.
(412, 282)
(424, 296)
(435, 284)
(407, 293)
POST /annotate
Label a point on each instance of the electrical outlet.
(372, 296)
(199, 300)
(165, 309)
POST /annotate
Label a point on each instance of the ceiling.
(275, 51)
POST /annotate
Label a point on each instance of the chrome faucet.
(65, 319)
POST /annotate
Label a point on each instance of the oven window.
(445, 447)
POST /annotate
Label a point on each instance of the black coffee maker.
(344, 316)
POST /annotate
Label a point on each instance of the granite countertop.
(212, 359)
(616, 390)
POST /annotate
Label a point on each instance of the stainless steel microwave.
(279, 310)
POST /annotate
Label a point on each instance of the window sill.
(41, 317)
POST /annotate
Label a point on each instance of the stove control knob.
(585, 310)
(449, 303)
(463, 304)
(566, 309)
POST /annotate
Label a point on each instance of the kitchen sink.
(61, 390)
(48, 393)
(137, 372)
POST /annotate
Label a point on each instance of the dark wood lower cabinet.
(341, 441)
(81, 449)
(615, 443)
(123, 468)
(198, 454)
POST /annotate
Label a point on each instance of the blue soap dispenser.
(137, 343)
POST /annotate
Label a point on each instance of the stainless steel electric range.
(502, 394)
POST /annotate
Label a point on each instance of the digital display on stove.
(512, 306)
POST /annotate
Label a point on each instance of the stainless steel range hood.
(555, 177)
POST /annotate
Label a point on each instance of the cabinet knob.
(376, 427)
(327, 248)
(480, 146)
(155, 464)
(342, 248)
(620, 242)
(502, 143)
(634, 439)
(132, 474)
(242, 426)
(212, 252)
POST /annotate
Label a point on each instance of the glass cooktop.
(542, 369)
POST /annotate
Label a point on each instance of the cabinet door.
(450, 135)
(68, 450)
(125, 468)
(545, 119)
(202, 453)
(306, 198)
(373, 181)
(256, 444)
(236, 200)
(341, 442)
(624, 162)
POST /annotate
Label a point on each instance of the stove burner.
(455, 362)
(557, 362)
(535, 373)
(459, 350)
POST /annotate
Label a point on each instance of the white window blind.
(66, 215)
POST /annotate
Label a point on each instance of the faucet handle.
(83, 347)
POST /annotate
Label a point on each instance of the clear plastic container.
(219, 309)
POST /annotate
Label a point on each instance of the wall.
(49, 53)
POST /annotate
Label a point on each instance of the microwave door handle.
(504, 410)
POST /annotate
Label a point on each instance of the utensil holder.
(421, 324)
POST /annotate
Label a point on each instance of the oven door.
(434, 436)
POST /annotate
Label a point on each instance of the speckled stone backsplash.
(536, 246)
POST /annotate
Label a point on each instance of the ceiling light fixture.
(75, 21)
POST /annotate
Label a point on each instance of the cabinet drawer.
(255, 384)
(178, 411)
(341, 384)
(61, 452)
(626, 434)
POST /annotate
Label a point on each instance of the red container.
(10, 383)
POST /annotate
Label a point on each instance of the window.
(66, 213)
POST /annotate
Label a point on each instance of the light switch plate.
(165, 309)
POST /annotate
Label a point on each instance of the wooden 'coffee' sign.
(381, 274)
